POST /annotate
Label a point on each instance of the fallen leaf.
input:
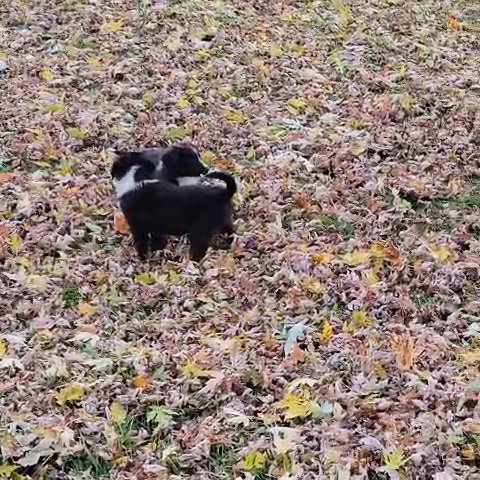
(86, 309)
(322, 258)
(327, 331)
(3, 347)
(358, 320)
(53, 107)
(76, 132)
(236, 116)
(15, 243)
(147, 278)
(440, 253)
(295, 406)
(111, 27)
(285, 439)
(120, 224)
(394, 459)
(405, 351)
(160, 415)
(254, 461)
(190, 370)
(141, 381)
(117, 413)
(6, 177)
(183, 102)
(356, 257)
(70, 393)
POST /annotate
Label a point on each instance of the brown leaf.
(120, 224)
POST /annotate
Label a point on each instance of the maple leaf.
(356, 257)
(190, 370)
(394, 459)
(75, 132)
(147, 278)
(295, 406)
(327, 331)
(440, 253)
(160, 415)
(236, 116)
(70, 393)
(117, 413)
(358, 320)
(141, 381)
(254, 461)
(322, 258)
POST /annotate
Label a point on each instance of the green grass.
(222, 460)
(71, 295)
(88, 462)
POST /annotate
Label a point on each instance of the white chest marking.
(128, 183)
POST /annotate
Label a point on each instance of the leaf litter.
(339, 338)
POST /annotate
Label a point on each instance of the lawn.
(339, 338)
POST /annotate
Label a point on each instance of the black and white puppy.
(156, 207)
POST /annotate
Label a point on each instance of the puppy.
(179, 163)
(156, 208)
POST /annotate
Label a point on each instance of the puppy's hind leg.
(199, 243)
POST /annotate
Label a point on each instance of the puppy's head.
(183, 160)
(125, 161)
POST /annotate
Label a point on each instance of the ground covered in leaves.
(339, 338)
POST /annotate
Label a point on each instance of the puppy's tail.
(231, 189)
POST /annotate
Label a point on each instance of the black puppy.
(179, 163)
(155, 207)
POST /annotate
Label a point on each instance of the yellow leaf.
(148, 98)
(357, 321)
(295, 406)
(406, 101)
(322, 258)
(371, 277)
(46, 74)
(3, 347)
(440, 253)
(356, 257)
(470, 356)
(7, 470)
(53, 107)
(190, 370)
(15, 243)
(176, 134)
(287, 17)
(275, 51)
(298, 103)
(117, 413)
(199, 100)
(236, 116)
(208, 157)
(394, 459)
(39, 282)
(183, 102)
(358, 147)
(147, 278)
(70, 393)
(95, 62)
(141, 381)
(254, 461)
(378, 250)
(111, 27)
(75, 132)
(327, 331)
(86, 309)
(312, 285)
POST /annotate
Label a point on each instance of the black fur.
(161, 208)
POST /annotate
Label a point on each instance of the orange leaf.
(405, 352)
(453, 22)
(6, 177)
(120, 224)
(141, 381)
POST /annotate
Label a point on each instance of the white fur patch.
(183, 181)
(128, 183)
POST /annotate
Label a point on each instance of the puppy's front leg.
(158, 241)
(141, 240)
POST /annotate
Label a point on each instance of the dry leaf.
(285, 439)
(236, 116)
(120, 224)
(405, 352)
(358, 320)
(70, 393)
(141, 381)
(327, 331)
(356, 257)
(440, 253)
(86, 309)
(117, 413)
(3, 347)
